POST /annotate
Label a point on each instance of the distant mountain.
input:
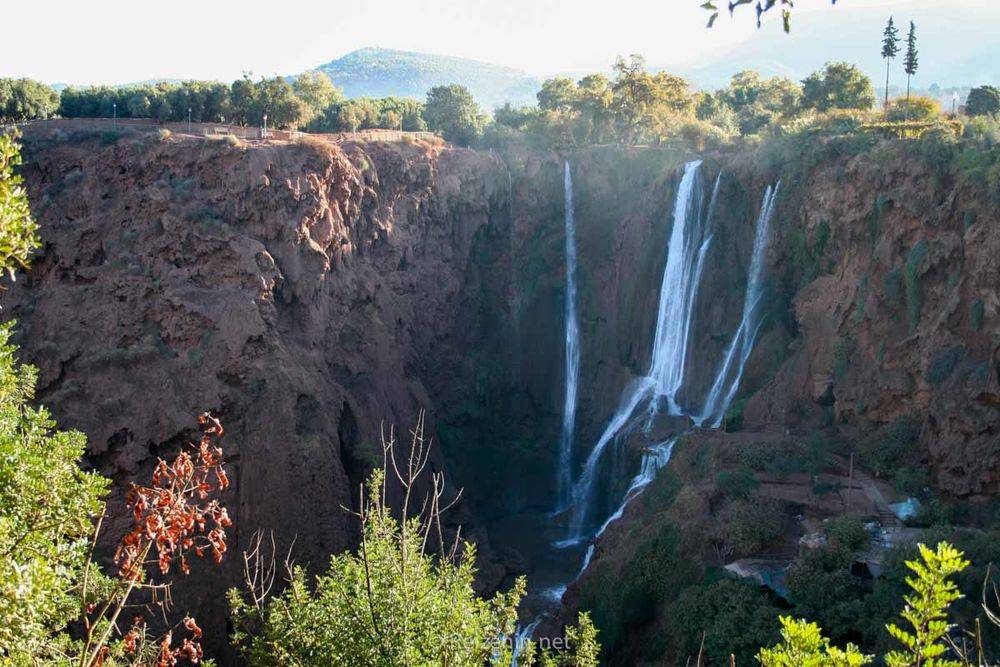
(956, 47)
(383, 72)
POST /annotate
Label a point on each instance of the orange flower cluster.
(172, 515)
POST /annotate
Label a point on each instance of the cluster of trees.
(287, 104)
(24, 99)
(638, 106)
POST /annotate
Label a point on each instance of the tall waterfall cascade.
(658, 391)
(565, 479)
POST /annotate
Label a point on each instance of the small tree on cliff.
(890, 48)
(405, 598)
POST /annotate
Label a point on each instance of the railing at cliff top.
(217, 129)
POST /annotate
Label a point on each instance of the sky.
(114, 41)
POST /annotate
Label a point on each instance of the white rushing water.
(565, 480)
(685, 254)
(727, 380)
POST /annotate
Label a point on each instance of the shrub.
(722, 618)
(976, 312)
(983, 101)
(917, 108)
(942, 364)
(803, 645)
(393, 602)
(927, 608)
(747, 527)
(843, 351)
(163, 134)
(884, 450)
(848, 532)
(736, 483)
(701, 135)
(914, 289)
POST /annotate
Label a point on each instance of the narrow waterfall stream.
(681, 276)
(565, 480)
(721, 395)
(652, 412)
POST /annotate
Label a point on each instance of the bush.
(736, 483)
(722, 618)
(392, 603)
(884, 450)
(747, 527)
(983, 101)
(942, 364)
(917, 108)
(701, 135)
(914, 289)
(848, 532)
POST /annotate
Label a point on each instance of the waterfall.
(685, 252)
(741, 345)
(572, 348)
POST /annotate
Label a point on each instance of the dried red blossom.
(170, 517)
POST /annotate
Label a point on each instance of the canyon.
(312, 293)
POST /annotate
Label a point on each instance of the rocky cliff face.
(889, 259)
(307, 293)
(304, 293)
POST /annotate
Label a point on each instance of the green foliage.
(983, 101)
(758, 102)
(208, 101)
(46, 507)
(910, 60)
(839, 85)
(736, 483)
(843, 351)
(18, 231)
(918, 108)
(390, 604)
(884, 450)
(803, 645)
(251, 101)
(821, 587)
(942, 364)
(926, 608)
(732, 421)
(848, 532)
(736, 617)
(976, 312)
(316, 92)
(452, 111)
(914, 288)
(24, 99)
(364, 113)
(748, 526)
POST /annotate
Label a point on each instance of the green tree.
(558, 94)
(910, 61)
(405, 598)
(647, 107)
(838, 85)
(25, 99)
(983, 101)
(46, 500)
(803, 645)
(725, 617)
(926, 608)
(317, 92)
(890, 48)
(453, 112)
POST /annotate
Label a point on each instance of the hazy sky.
(115, 41)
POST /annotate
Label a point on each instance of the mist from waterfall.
(565, 480)
(726, 381)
